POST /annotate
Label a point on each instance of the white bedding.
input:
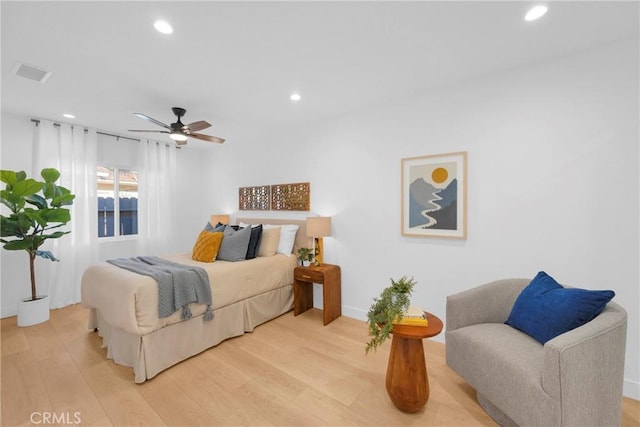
(129, 301)
(124, 307)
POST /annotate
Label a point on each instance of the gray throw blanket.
(178, 284)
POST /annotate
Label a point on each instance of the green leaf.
(12, 201)
(37, 201)
(63, 200)
(50, 175)
(26, 187)
(64, 190)
(55, 235)
(49, 190)
(8, 227)
(18, 245)
(8, 177)
(56, 215)
(24, 222)
(36, 241)
(36, 216)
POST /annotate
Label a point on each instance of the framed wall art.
(257, 198)
(277, 197)
(434, 196)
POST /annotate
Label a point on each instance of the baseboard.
(354, 313)
(631, 389)
(9, 311)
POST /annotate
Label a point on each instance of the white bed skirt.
(152, 353)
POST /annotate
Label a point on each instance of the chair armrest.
(488, 303)
(584, 369)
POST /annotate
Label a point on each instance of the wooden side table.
(328, 275)
(407, 381)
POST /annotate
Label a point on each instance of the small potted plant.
(305, 256)
(36, 209)
(392, 303)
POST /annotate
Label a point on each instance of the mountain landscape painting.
(434, 196)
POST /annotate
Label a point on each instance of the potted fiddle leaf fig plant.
(305, 256)
(392, 303)
(37, 210)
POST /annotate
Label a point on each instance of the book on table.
(414, 316)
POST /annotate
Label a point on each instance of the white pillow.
(287, 237)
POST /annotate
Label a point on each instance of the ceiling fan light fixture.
(178, 131)
(177, 136)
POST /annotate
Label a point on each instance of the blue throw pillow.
(544, 309)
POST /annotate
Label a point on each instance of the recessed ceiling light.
(295, 97)
(69, 116)
(163, 27)
(535, 12)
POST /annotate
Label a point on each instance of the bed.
(123, 306)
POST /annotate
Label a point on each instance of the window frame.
(116, 203)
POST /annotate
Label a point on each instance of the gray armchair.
(575, 379)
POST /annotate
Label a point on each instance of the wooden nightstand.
(328, 276)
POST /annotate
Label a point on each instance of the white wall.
(552, 183)
(15, 154)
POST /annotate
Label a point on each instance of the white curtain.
(156, 204)
(71, 150)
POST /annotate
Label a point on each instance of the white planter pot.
(306, 263)
(32, 312)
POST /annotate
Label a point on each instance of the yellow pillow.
(207, 246)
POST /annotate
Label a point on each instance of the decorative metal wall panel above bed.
(278, 197)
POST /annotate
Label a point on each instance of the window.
(121, 210)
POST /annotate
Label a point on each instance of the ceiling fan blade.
(196, 126)
(152, 120)
(206, 137)
(155, 131)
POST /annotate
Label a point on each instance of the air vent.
(30, 72)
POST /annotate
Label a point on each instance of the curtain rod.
(37, 122)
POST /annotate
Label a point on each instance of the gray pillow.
(234, 244)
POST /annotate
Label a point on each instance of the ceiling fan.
(179, 131)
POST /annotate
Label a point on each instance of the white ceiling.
(235, 64)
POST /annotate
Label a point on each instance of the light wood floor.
(291, 371)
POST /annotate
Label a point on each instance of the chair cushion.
(544, 309)
(504, 365)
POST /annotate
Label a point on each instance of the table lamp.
(222, 219)
(318, 227)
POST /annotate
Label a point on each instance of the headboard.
(301, 236)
